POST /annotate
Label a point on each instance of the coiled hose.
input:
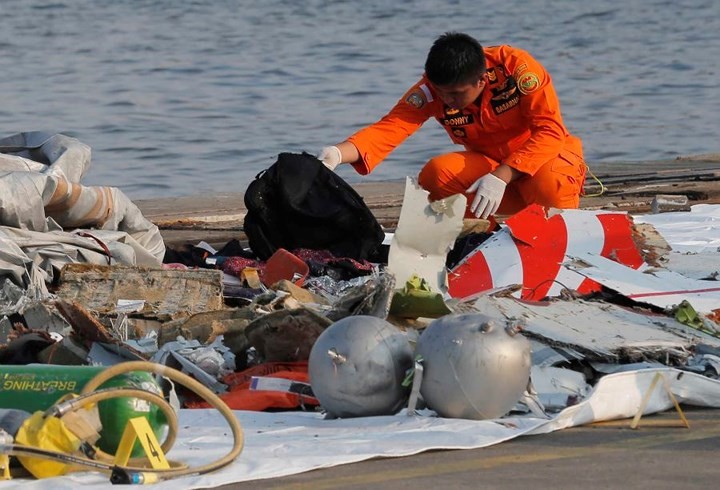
(138, 474)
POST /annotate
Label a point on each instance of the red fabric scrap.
(241, 397)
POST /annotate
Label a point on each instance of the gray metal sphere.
(357, 366)
(475, 367)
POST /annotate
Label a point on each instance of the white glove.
(489, 191)
(330, 156)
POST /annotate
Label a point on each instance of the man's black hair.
(455, 58)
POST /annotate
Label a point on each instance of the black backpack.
(300, 203)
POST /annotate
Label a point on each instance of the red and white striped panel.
(531, 248)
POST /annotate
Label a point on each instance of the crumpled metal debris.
(209, 340)
(369, 295)
(615, 334)
(425, 234)
(208, 364)
(13, 298)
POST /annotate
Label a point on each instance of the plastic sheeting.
(694, 232)
(53, 154)
(694, 238)
(40, 198)
(287, 443)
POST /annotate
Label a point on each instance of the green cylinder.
(37, 387)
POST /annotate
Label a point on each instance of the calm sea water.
(180, 97)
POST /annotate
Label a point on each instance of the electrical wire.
(602, 186)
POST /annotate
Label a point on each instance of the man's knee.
(557, 191)
(435, 176)
(557, 184)
(564, 201)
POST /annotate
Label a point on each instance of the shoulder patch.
(528, 82)
(520, 70)
(416, 99)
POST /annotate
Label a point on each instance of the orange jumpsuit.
(516, 121)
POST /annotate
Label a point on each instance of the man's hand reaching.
(489, 191)
(330, 156)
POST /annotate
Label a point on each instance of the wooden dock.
(218, 218)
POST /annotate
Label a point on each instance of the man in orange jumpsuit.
(500, 104)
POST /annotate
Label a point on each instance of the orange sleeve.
(541, 109)
(376, 141)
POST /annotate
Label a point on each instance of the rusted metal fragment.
(205, 327)
(88, 330)
(652, 246)
(168, 293)
(286, 335)
(83, 323)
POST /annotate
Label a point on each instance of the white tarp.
(694, 238)
(41, 199)
(53, 154)
(287, 443)
(694, 232)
